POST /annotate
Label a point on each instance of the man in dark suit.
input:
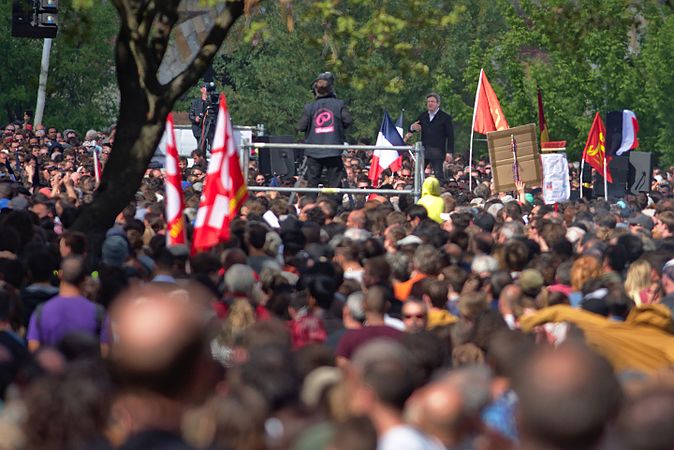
(437, 134)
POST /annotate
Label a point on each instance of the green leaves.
(81, 88)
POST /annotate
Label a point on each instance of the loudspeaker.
(640, 173)
(618, 167)
(277, 161)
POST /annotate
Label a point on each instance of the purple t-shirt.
(63, 315)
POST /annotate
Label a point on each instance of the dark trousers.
(436, 165)
(334, 171)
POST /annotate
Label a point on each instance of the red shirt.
(353, 339)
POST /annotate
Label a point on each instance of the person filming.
(324, 121)
(203, 112)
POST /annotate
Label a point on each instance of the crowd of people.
(467, 320)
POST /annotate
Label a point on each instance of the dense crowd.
(467, 320)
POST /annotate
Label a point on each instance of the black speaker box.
(619, 168)
(276, 161)
(640, 173)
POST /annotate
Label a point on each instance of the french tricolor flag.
(386, 159)
(621, 132)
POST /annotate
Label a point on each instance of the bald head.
(357, 219)
(160, 341)
(438, 410)
(567, 397)
(511, 295)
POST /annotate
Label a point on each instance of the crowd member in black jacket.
(324, 121)
(437, 134)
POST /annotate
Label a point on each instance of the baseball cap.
(531, 281)
(641, 220)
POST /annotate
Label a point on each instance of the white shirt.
(405, 437)
(431, 115)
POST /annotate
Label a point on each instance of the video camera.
(213, 99)
(209, 115)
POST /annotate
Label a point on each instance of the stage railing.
(417, 152)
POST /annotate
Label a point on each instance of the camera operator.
(323, 121)
(203, 113)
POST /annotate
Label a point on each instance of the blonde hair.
(584, 269)
(241, 316)
(638, 278)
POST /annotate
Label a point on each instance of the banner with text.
(556, 186)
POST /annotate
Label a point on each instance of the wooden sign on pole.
(501, 157)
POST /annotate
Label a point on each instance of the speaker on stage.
(618, 167)
(640, 173)
(277, 161)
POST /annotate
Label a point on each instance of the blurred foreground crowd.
(470, 320)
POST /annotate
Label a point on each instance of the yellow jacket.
(643, 342)
(431, 200)
(440, 317)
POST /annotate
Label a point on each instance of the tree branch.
(209, 48)
(167, 19)
(146, 19)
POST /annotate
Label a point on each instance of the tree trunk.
(144, 107)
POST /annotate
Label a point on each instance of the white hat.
(410, 240)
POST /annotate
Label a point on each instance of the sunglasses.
(414, 316)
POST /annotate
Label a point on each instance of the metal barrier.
(419, 166)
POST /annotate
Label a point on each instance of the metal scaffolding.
(416, 151)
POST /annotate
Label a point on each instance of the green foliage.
(81, 87)
(381, 52)
(595, 55)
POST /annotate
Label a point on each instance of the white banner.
(556, 186)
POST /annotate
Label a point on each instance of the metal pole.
(246, 163)
(42, 87)
(327, 190)
(472, 130)
(605, 181)
(580, 181)
(332, 147)
(417, 177)
(421, 163)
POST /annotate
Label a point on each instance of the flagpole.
(580, 181)
(472, 131)
(605, 181)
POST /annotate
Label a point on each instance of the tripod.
(207, 132)
(302, 172)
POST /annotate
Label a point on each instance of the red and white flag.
(225, 189)
(175, 220)
(383, 159)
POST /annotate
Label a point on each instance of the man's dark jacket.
(436, 136)
(323, 122)
(197, 107)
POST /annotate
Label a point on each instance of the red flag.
(175, 221)
(595, 148)
(488, 113)
(225, 189)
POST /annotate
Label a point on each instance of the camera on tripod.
(213, 99)
(209, 115)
